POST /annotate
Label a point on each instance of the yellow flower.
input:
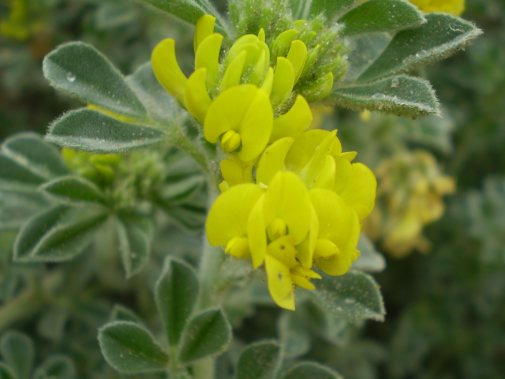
(455, 7)
(244, 74)
(411, 196)
(300, 211)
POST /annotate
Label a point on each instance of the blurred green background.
(445, 295)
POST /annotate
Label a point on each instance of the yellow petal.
(272, 160)
(307, 247)
(234, 171)
(287, 198)
(280, 284)
(257, 234)
(326, 176)
(303, 148)
(233, 72)
(360, 190)
(297, 55)
(166, 69)
(284, 81)
(207, 56)
(303, 282)
(256, 127)
(228, 216)
(238, 247)
(284, 251)
(204, 28)
(295, 121)
(227, 111)
(268, 82)
(197, 99)
(282, 43)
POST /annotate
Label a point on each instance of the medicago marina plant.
(209, 171)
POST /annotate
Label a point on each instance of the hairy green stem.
(181, 140)
(210, 264)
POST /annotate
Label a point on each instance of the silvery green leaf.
(440, 37)
(189, 10)
(92, 131)
(354, 296)
(158, 103)
(381, 16)
(206, 334)
(176, 292)
(32, 152)
(18, 353)
(293, 335)
(134, 236)
(261, 360)
(401, 95)
(302, 9)
(6, 372)
(131, 349)
(56, 367)
(370, 259)
(58, 234)
(74, 190)
(82, 71)
(306, 370)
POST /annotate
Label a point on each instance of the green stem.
(204, 369)
(210, 264)
(181, 140)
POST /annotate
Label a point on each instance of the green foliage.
(402, 95)
(311, 370)
(437, 39)
(100, 133)
(206, 334)
(261, 360)
(381, 16)
(176, 294)
(131, 349)
(81, 71)
(144, 197)
(354, 296)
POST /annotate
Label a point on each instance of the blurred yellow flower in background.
(411, 191)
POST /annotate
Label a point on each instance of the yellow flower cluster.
(410, 197)
(292, 200)
(455, 7)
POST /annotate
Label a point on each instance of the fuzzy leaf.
(17, 177)
(311, 370)
(293, 335)
(303, 9)
(6, 372)
(58, 234)
(159, 104)
(381, 16)
(18, 353)
(73, 190)
(400, 95)
(206, 334)
(56, 367)
(131, 349)
(121, 313)
(260, 360)
(370, 259)
(189, 10)
(441, 36)
(354, 296)
(80, 70)
(87, 130)
(176, 292)
(134, 236)
(16, 207)
(32, 152)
